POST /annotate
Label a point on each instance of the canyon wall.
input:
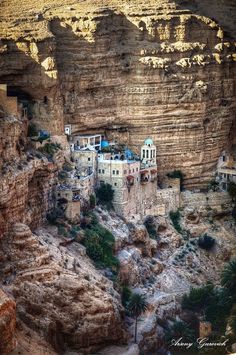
(164, 69)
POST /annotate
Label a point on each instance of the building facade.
(226, 169)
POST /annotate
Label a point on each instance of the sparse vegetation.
(49, 149)
(175, 218)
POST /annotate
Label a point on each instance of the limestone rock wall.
(7, 324)
(161, 68)
(59, 294)
(25, 193)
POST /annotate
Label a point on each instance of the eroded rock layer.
(165, 69)
(59, 293)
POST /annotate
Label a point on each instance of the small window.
(143, 153)
(136, 169)
(223, 158)
(125, 171)
(147, 152)
(113, 172)
(99, 170)
(89, 159)
(137, 178)
(133, 170)
(117, 172)
(115, 184)
(59, 195)
(103, 171)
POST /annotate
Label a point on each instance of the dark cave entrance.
(23, 98)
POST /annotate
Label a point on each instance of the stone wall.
(215, 201)
(9, 104)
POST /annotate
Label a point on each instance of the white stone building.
(134, 181)
(226, 169)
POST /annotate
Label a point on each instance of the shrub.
(198, 298)
(67, 167)
(92, 200)
(175, 218)
(49, 149)
(32, 130)
(62, 231)
(206, 242)
(149, 224)
(56, 213)
(62, 175)
(213, 185)
(105, 194)
(177, 330)
(232, 189)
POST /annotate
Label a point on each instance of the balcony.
(130, 180)
(144, 176)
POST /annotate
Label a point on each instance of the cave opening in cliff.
(23, 97)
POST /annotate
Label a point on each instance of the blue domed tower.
(148, 152)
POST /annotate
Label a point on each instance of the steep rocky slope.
(165, 69)
(59, 294)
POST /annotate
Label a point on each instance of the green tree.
(137, 305)
(198, 298)
(126, 294)
(228, 279)
(179, 329)
(105, 194)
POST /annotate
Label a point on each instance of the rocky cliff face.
(7, 323)
(165, 69)
(59, 293)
